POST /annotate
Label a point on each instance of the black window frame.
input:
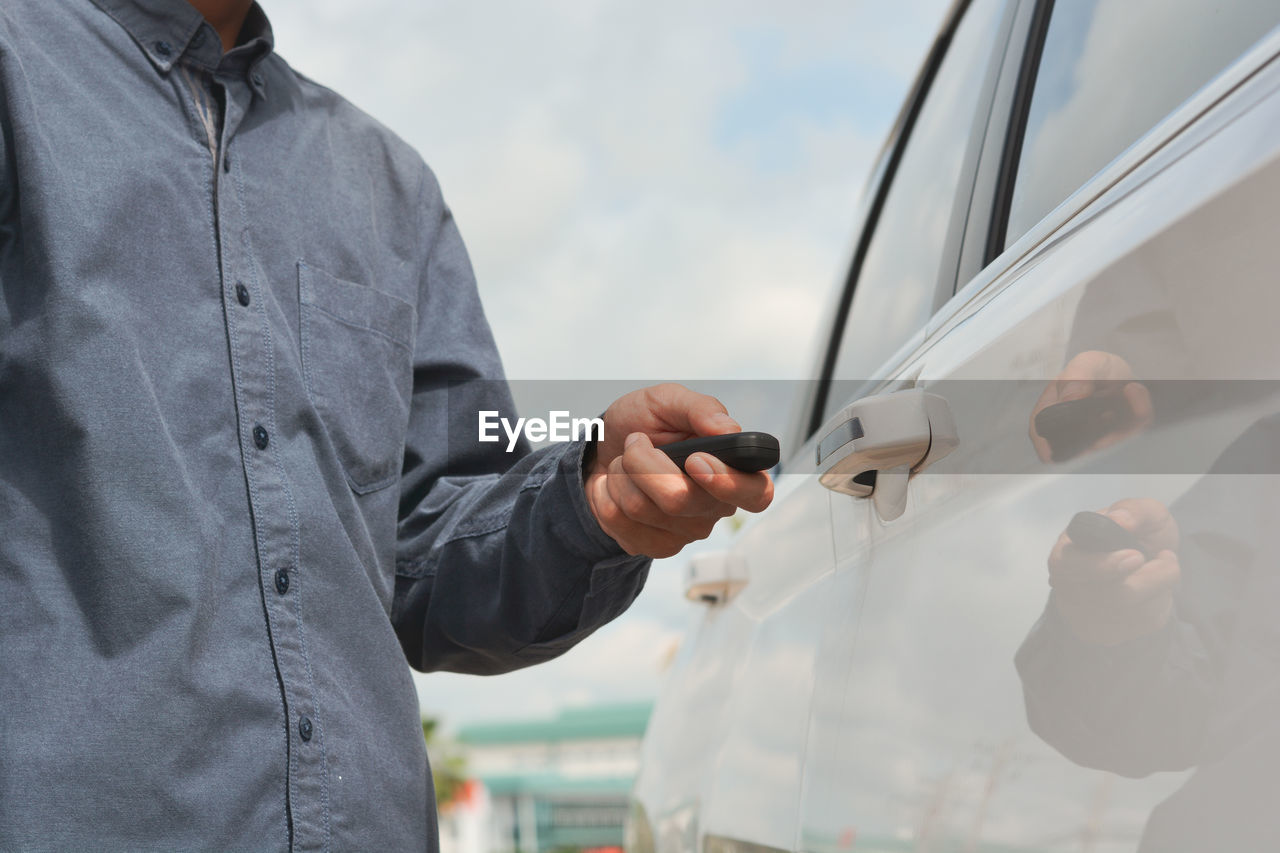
(1018, 111)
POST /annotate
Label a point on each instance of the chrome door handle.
(872, 446)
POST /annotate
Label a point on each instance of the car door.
(725, 752)
(1149, 245)
(724, 757)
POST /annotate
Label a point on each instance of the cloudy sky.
(649, 190)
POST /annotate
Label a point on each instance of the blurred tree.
(448, 767)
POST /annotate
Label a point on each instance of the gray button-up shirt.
(239, 484)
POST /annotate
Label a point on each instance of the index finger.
(751, 490)
(666, 485)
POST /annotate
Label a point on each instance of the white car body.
(855, 688)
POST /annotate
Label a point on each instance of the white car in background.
(1079, 201)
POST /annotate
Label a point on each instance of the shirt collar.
(168, 30)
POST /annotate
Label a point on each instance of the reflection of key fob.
(746, 451)
(1092, 531)
(1072, 426)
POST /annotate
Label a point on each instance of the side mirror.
(715, 577)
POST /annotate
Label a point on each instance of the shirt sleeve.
(499, 561)
(1132, 709)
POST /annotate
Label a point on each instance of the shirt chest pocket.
(357, 362)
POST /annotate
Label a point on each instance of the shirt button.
(260, 437)
(257, 78)
(242, 294)
(304, 728)
(282, 581)
(162, 48)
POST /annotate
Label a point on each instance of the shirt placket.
(274, 511)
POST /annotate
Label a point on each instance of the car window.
(905, 267)
(1109, 71)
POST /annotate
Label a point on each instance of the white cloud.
(577, 145)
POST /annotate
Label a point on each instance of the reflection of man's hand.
(1106, 378)
(1115, 596)
(641, 498)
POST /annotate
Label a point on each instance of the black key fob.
(745, 451)
(1073, 426)
(1091, 531)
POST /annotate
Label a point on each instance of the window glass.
(900, 279)
(1110, 70)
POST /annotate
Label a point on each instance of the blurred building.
(551, 784)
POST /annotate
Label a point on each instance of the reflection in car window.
(1110, 70)
(899, 280)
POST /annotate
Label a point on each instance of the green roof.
(601, 721)
(554, 783)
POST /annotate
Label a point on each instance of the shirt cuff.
(1138, 654)
(581, 532)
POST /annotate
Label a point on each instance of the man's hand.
(1095, 374)
(1112, 597)
(640, 497)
